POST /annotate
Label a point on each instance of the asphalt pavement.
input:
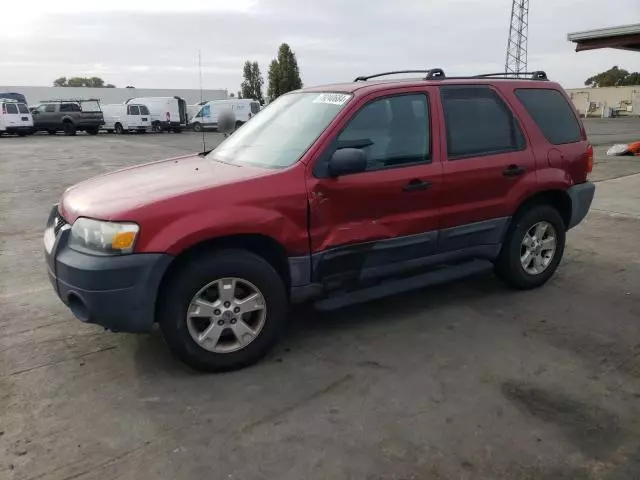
(469, 380)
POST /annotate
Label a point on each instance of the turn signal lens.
(123, 240)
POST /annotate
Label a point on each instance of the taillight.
(4, 109)
(589, 159)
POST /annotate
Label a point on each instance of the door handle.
(416, 184)
(514, 171)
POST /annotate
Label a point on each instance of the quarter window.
(478, 122)
(392, 131)
(552, 114)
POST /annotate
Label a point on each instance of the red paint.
(182, 201)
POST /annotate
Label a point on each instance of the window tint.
(69, 107)
(144, 110)
(49, 108)
(392, 131)
(11, 107)
(478, 123)
(134, 110)
(23, 108)
(553, 115)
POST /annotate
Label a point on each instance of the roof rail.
(70, 100)
(535, 75)
(432, 74)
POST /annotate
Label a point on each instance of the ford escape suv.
(336, 194)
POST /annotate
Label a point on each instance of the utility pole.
(516, 61)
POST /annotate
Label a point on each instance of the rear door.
(145, 116)
(487, 163)
(374, 223)
(25, 116)
(11, 115)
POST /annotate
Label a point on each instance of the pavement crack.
(30, 369)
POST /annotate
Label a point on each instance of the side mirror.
(34, 112)
(346, 161)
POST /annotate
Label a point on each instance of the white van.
(167, 113)
(207, 117)
(15, 117)
(122, 118)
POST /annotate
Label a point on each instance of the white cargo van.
(120, 118)
(207, 117)
(15, 117)
(166, 113)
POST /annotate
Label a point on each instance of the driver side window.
(393, 132)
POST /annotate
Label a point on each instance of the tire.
(118, 128)
(69, 129)
(509, 266)
(92, 131)
(157, 128)
(197, 127)
(189, 281)
(177, 130)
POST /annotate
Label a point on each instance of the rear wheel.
(157, 127)
(533, 248)
(118, 128)
(69, 129)
(223, 310)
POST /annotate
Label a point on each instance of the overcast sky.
(156, 46)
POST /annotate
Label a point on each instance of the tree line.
(283, 77)
(92, 82)
(614, 77)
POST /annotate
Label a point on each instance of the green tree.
(95, 82)
(251, 86)
(614, 77)
(284, 74)
(60, 82)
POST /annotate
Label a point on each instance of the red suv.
(339, 194)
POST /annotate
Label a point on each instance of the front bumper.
(116, 292)
(581, 197)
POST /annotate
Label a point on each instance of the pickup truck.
(68, 116)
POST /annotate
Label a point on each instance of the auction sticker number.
(332, 98)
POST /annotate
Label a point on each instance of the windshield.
(144, 110)
(280, 134)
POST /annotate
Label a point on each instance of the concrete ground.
(464, 381)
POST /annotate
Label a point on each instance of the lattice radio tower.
(518, 32)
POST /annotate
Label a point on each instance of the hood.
(109, 196)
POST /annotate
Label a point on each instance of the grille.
(58, 223)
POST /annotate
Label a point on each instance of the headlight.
(103, 238)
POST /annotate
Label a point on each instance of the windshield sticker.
(332, 98)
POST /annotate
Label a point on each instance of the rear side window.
(23, 108)
(134, 110)
(11, 107)
(552, 113)
(144, 110)
(478, 122)
(69, 107)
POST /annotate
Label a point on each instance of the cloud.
(157, 44)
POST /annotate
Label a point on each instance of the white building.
(112, 95)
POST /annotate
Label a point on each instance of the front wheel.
(533, 248)
(223, 310)
(197, 127)
(118, 129)
(69, 129)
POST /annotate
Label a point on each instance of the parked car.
(69, 116)
(167, 113)
(120, 118)
(336, 194)
(15, 118)
(207, 116)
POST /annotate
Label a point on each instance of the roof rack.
(438, 74)
(535, 75)
(70, 100)
(432, 74)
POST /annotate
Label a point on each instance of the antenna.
(204, 143)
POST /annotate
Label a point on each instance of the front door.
(45, 116)
(486, 163)
(374, 223)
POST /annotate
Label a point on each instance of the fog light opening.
(78, 307)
